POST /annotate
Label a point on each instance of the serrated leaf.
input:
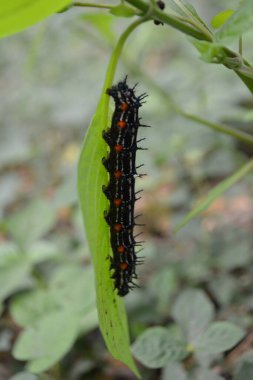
(91, 177)
(17, 15)
(240, 22)
(47, 342)
(216, 193)
(193, 312)
(219, 337)
(123, 10)
(157, 346)
(221, 17)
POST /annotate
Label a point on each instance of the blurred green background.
(51, 77)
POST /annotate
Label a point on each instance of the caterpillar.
(120, 191)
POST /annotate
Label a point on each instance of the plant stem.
(171, 20)
(115, 58)
(79, 4)
(239, 135)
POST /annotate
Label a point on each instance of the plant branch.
(79, 4)
(239, 135)
(171, 20)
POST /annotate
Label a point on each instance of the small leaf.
(103, 23)
(210, 52)
(162, 287)
(193, 312)
(219, 337)
(185, 9)
(236, 255)
(158, 346)
(245, 372)
(47, 342)
(216, 193)
(237, 24)
(205, 374)
(221, 17)
(14, 271)
(17, 15)
(27, 308)
(32, 222)
(69, 285)
(123, 10)
(174, 371)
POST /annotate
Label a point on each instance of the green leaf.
(123, 10)
(245, 372)
(91, 177)
(235, 255)
(24, 376)
(219, 337)
(157, 346)
(46, 343)
(32, 222)
(103, 23)
(185, 9)
(26, 309)
(69, 285)
(14, 271)
(240, 22)
(174, 371)
(216, 193)
(244, 366)
(224, 288)
(210, 52)
(205, 374)
(17, 15)
(43, 250)
(221, 17)
(193, 312)
(162, 287)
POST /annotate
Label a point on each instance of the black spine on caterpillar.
(121, 166)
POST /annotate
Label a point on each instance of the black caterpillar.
(121, 166)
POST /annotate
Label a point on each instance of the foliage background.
(51, 79)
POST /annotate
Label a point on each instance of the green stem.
(239, 135)
(104, 6)
(215, 193)
(171, 20)
(115, 58)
